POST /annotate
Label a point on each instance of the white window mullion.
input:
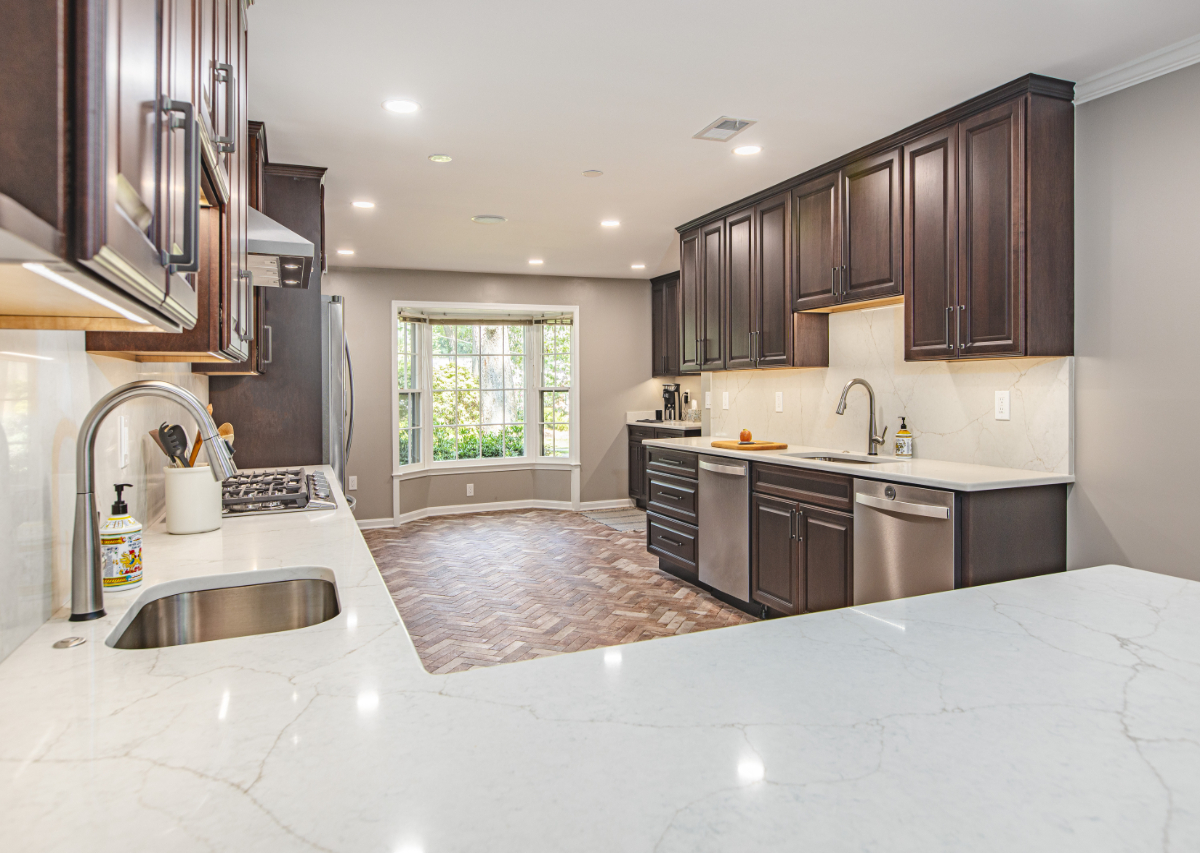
(425, 338)
(533, 383)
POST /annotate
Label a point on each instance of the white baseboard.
(494, 506)
(1160, 62)
(373, 523)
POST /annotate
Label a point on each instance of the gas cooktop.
(276, 490)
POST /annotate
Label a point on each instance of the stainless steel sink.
(232, 606)
(849, 458)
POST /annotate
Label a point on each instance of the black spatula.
(174, 441)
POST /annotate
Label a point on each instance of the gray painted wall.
(614, 371)
(1137, 300)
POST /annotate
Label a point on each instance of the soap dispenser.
(904, 442)
(121, 546)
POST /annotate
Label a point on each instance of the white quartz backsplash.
(949, 406)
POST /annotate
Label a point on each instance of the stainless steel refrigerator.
(337, 390)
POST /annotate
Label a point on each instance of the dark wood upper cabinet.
(711, 293)
(664, 330)
(816, 237)
(870, 220)
(772, 309)
(689, 302)
(741, 299)
(931, 244)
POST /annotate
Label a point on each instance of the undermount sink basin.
(197, 610)
(852, 458)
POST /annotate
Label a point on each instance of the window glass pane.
(547, 405)
(492, 375)
(468, 442)
(443, 373)
(516, 338)
(491, 340)
(514, 371)
(404, 412)
(493, 407)
(562, 401)
(514, 440)
(514, 407)
(444, 408)
(443, 340)
(415, 445)
(468, 407)
(562, 440)
(467, 375)
(468, 339)
(444, 444)
(404, 447)
(493, 442)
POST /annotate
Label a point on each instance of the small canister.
(193, 500)
(904, 442)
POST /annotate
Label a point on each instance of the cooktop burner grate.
(275, 490)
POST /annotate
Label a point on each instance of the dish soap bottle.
(121, 546)
(904, 441)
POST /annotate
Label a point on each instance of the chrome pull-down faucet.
(873, 440)
(87, 586)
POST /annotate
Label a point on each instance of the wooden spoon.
(196, 443)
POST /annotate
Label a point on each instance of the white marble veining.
(949, 405)
(1050, 714)
(933, 473)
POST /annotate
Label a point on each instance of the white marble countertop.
(932, 473)
(1052, 714)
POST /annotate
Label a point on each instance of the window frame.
(428, 465)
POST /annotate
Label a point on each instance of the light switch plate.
(470, 489)
(1003, 411)
(724, 399)
(708, 399)
(779, 401)
(353, 482)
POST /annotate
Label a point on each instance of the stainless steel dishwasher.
(724, 522)
(904, 541)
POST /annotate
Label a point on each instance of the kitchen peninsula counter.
(1055, 713)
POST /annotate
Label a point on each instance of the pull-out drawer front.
(673, 496)
(640, 433)
(672, 540)
(812, 487)
(678, 462)
(676, 433)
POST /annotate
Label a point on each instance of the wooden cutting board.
(754, 445)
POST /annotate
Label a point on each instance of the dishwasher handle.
(902, 506)
(736, 470)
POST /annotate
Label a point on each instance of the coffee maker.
(671, 402)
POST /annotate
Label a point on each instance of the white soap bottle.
(121, 546)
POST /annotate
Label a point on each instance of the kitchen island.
(1053, 713)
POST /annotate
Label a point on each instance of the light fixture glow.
(27, 355)
(224, 709)
(440, 158)
(488, 219)
(638, 266)
(368, 701)
(363, 204)
(400, 106)
(751, 770)
(611, 223)
(536, 261)
(291, 266)
(47, 273)
(746, 149)
(592, 173)
(345, 251)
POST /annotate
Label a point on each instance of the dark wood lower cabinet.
(637, 472)
(828, 553)
(680, 464)
(801, 556)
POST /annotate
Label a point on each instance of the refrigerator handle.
(350, 427)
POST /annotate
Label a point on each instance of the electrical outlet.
(470, 489)
(1003, 412)
(123, 442)
(353, 482)
(708, 399)
(724, 399)
(779, 401)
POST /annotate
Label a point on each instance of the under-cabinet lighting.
(536, 261)
(401, 106)
(363, 204)
(746, 149)
(345, 251)
(611, 223)
(47, 273)
(27, 355)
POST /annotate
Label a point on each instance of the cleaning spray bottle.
(121, 546)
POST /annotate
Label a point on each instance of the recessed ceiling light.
(592, 173)
(488, 219)
(363, 204)
(638, 266)
(345, 251)
(440, 158)
(401, 106)
(611, 223)
(536, 261)
(747, 149)
(291, 266)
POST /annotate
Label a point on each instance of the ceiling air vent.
(724, 129)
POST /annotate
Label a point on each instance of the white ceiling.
(527, 94)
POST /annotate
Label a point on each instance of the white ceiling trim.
(1160, 62)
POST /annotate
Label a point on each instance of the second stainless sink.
(225, 606)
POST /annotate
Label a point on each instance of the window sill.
(458, 467)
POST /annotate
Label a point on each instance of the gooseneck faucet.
(873, 440)
(87, 587)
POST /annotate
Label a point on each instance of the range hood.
(279, 257)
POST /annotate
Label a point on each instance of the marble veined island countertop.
(1058, 713)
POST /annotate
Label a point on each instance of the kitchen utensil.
(174, 441)
(752, 445)
(158, 441)
(196, 443)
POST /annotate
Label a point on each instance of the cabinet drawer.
(812, 487)
(675, 433)
(673, 496)
(639, 433)
(672, 540)
(678, 462)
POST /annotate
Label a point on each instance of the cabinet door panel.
(670, 329)
(689, 301)
(816, 235)
(871, 253)
(775, 569)
(740, 297)
(658, 363)
(828, 548)
(712, 308)
(930, 245)
(637, 471)
(773, 311)
(991, 209)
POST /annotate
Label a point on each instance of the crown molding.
(1160, 62)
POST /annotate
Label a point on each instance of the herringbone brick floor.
(497, 587)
